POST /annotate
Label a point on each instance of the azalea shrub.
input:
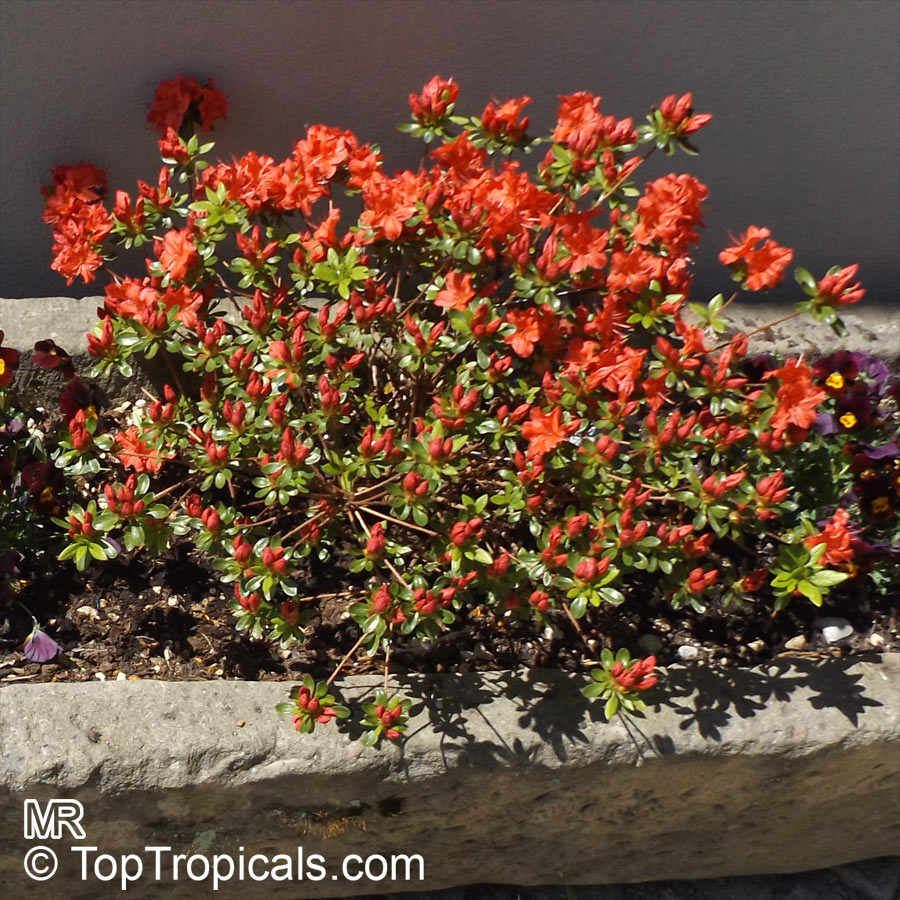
(478, 384)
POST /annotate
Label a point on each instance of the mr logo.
(48, 822)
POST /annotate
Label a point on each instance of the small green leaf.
(808, 589)
(611, 708)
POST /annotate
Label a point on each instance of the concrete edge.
(704, 710)
(753, 759)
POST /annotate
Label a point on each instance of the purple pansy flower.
(40, 647)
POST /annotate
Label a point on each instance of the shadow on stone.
(706, 699)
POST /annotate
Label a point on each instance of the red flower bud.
(586, 570)
(290, 612)
(376, 544)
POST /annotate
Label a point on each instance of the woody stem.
(750, 334)
(345, 660)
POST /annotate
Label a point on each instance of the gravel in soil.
(170, 619)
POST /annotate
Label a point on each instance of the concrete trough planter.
(506, 777)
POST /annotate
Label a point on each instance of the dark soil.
(169, 619)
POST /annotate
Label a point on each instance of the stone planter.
(505, 778)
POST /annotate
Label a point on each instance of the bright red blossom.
(504, 123)
(838, 289)
(670, 212)
(798, 397)
(456, 293)
(545, 431)
(678, 113)
(760, 267)
(174, 99)
(178, 253)
(636, 677)
(837, 538)
(134, 453)
(435, 101)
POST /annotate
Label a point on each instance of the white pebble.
(876, 639)
(688, 651)
(834, 629)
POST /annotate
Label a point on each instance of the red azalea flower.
(178, 253)
(171, 102)
(679, 114)
(135, 454)
(636, 677)
(545, 431)
(435, 101)
(578, 122)
(504, 122)
(798, 397)
(837, 539)
(837, 288)
(212, 106)
(760, 267)
(670, 212)
(456, 293)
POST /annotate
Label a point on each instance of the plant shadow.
(707, 699)
(476, 718)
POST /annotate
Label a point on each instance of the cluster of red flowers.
(183, 97)
(500, 397)
(636, 677)
(759, 266)
(836, 537)
(80, 223)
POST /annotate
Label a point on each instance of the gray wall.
(805, 139)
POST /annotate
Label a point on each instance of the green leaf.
(97, 551)
(611, 708)
(808, 589)
(578, 606)
(828, 578)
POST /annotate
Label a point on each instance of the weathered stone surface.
(505, 778)
(873, 328)
(67, 321)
